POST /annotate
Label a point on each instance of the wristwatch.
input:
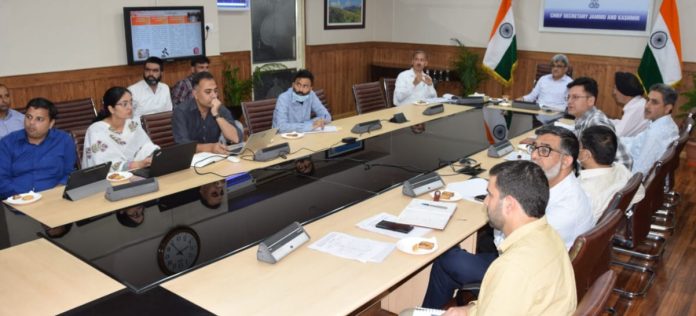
(216, 116)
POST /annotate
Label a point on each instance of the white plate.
(35, 197)
(292, 135)
(124, 175)
(406, 245)
(420, 102)
(454, 198)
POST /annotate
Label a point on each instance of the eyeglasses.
(125, 103)
(544, 150)
(558, 66)
(575, 97)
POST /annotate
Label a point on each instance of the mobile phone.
(397, 227)
(480, 198)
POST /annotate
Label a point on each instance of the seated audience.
(648, 146)
(150, 95)
(568, 211)
(204, 119)
(294, 107)
(38, 157)
(551, 89)
(582, 95)
(533, 275)
(115, 136)
(600, 177)
(414, 84)
(10, 120)
(628, 92)
(182, 90)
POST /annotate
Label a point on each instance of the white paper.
(326, 129)
(420, 311)
(350, 247)
(203, 159)
(469, 188)
(369, 225)
(427, 213)
(437, 100)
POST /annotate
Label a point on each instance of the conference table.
(261, 198)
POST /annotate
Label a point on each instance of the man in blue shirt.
(10, 120)
(38, 157)
(648, 146)
(294, 107)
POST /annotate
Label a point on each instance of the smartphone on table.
(397, 227)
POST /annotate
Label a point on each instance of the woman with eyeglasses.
(116, 137)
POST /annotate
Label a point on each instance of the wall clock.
(178, 250)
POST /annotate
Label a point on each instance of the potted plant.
(685, 109)
(237, 89)
(468, 69)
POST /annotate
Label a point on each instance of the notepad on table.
(427, 213)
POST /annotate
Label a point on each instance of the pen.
(433, 205)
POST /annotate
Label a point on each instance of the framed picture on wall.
(344, 14)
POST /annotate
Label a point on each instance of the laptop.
(168, 160)
(85, 182)
(255, 142)
(526, 105)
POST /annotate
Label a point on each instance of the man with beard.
(568, 211)
(533, 274)
(414, 84)
(204, 119)
(150, 95)
(38, 157)
(10, 120)
(294, 107)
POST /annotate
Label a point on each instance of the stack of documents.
(349, 247)
(427, 213)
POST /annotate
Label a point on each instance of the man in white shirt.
(628, 92)
(569, 210)
(150, 95)
(650, 144)
(414, 84)
(600, 177)
(550, 90)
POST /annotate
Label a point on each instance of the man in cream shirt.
(533, 275)
(601, 178)
(414, 85)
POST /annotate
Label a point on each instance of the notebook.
(168, 160)
(425, 213)
(255, 142)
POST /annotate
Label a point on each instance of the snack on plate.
(16, 197)
(425, 245)
(446, 195)
(291, 135)
(27, 197)
(115, 176)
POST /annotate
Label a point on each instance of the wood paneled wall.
(337, 67)
(85, 83)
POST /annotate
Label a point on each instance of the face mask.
(298, 97)
(151, 81)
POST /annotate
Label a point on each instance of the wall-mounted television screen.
(170, 33)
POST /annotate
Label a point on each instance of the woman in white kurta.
(116, 137)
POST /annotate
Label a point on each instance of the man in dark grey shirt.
(204, 119)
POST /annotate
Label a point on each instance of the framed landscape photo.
(344, 14)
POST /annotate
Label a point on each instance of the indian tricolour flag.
(501, 54)
(661, 62)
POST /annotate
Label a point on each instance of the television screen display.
(169, 33)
